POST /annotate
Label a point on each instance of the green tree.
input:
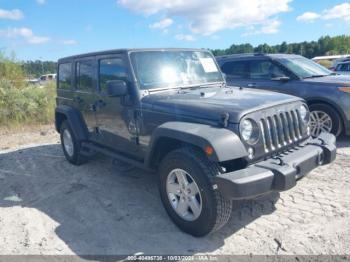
(326, 45)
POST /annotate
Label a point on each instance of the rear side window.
(85, 75)
(235, 69)
(65, 76)
(111, 69)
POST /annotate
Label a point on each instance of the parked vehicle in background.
(343, 68)
(338, 61)
(47, 78)
(170, 111)
(327, 94)
(330, 61)
(42, 79)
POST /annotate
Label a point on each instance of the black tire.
(215, 211)
(75, 158)
(337, 126)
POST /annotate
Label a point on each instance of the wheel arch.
(226, 145)
(74, 118)
(316, 100)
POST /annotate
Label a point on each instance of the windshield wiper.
(314, 76)
(205, 85)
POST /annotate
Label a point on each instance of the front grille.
(281, 130)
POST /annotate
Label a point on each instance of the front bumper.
(278, 173)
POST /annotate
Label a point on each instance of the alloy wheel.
(184, 194)
(320, 122)
(68, 143)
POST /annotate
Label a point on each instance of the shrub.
(11, 70)
(28, 105)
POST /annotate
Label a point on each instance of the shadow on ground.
(102, 210)
(343, 141)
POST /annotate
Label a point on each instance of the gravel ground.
(48, 206)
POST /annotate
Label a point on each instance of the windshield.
(304, 68)
(163, 69)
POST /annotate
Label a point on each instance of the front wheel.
(188, 194)
(324, 118)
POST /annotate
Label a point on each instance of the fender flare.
(226, 144)
(75, 120)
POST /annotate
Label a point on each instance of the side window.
(235, 69)
(65, 76)
(111, 69)
(265, 69)
(85, 75)
(344, 67)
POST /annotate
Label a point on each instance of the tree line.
(13, 68)
(326, 45)
(33, 69)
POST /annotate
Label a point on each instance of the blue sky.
(50, 29)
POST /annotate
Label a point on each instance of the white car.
(48, 77)
(343, 68)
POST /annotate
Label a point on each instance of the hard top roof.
(255, 55)
(127, 50)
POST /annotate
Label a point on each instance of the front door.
(265, 74)
(85, 91)
(116, 115)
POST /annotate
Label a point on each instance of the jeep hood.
(211, 103)
(339, 80)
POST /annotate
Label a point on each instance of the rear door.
(85, 91)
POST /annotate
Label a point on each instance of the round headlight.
(304, 113)
(249, 131)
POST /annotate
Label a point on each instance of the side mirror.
(281, 78)
(117, 88)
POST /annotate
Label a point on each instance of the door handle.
(78, 100)
(97, 105)
(252, 85)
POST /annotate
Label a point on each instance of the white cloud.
(269, 27)
(69, 42)
(25, 33)
(341, 11)
(184, 37)
(206, 17)
(162, 24)
(308, 17)
(41, 2)
(14, 14)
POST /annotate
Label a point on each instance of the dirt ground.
(48, 206)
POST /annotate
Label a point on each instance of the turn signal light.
(345, 89)
(209, 150)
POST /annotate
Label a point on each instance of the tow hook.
(281, 162)
(322, 141)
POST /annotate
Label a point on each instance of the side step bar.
(116, 155)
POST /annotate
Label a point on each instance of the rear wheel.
(187, 192)
(70, 145)
(324, 118)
